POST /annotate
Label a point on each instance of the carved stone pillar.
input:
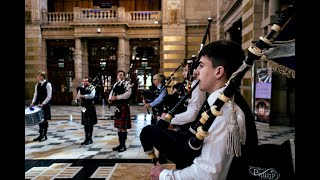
(43, 59)
(35, 8)
(77, 81)
(121, 62)
(273, 7)
(127, 52)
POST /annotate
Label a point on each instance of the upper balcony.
(101, 16)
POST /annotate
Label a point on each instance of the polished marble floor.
(62, 156)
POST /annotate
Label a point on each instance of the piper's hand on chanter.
(79, 97)
(113, 98)
(147, 105)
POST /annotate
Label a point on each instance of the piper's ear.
(219, 72)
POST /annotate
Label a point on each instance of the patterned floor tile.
(69, 172)
(102, 172)
(65, 135)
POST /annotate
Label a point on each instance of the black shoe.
(38, 138)
(43, 138)
(116, 148)
(122, 148)
(85, 142)
(89, 142)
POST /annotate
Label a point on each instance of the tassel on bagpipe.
(200, 129)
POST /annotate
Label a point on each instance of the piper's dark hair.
(226, 53)
(184, 63)
(89, 79)
(122, 72)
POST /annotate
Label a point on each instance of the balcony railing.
(101, 15)
(143, 16)
(105, 13)
(57, 17)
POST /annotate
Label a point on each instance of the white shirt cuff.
(165, 173)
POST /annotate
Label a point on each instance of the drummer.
(41, 98)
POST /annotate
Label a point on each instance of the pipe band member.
(157, 103)
(42, 97)
(86, 95)
(121, 93)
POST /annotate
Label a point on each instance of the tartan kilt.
(90, 116)
(124, 121)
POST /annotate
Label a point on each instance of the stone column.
(35, 8)
(121, 60)
(127, 52)
(84, 58)
(273, 7)
(77, 81)
(43, 59)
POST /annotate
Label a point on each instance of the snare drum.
(33, 116)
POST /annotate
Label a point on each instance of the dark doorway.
(145, 58)
(102, 58)
(60, 66)
(235, 31)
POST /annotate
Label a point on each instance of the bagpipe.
(131, 77)
(170, 100)
(132, 82)
(81, 90)
(151, 94)
(174, 101)
(198, 131)
(192, 64)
